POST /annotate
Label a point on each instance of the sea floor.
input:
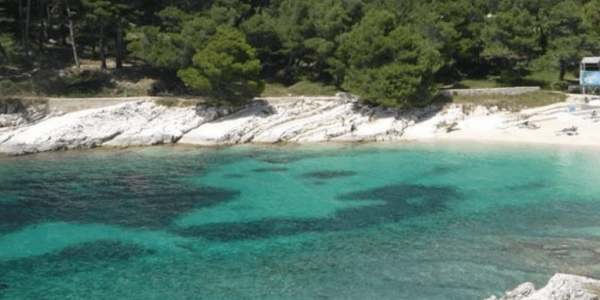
(402, 221)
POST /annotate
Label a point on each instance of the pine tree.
(2, 12)
(227, 68)
(388, 64)
(101, 13)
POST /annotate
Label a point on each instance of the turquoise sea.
(394, 221)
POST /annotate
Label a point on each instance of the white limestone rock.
(560, 287)
(12, 120)
(227, 130)
(16, 113)
(131, 123)
(304, 120)
(300, 120)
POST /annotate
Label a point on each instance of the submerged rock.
(560, 287)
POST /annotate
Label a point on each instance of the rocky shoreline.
(343, 118)
(320, 119)
(36, 128)
(127, 124)
(559, 287)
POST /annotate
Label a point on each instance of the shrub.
(7, 87)
(85, 83)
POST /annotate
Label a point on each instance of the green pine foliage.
(9, 49)
(387, 64)
(390, 52)
(226, 68)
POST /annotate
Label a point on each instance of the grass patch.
(178, 102)
(24, 100)
(227, 103)
(478, 84)
(512, 103)
(301, 88)
(546, 79)
(22, 88)
(190, 102)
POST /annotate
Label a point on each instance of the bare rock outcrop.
(15, 113)
(560, 287)
(304, 120)
(342, 118)
(131, 123)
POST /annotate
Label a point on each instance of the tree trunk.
(49, 30)
(102, 56)
(63, 38)
(92, 40)
(43, 32)
(27, 27)
(563, 71)
(119, 43)
(72, 35)
(543, 40)
(22, 23)
(2, 51)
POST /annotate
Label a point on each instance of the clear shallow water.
(312, 222)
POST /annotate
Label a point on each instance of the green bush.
(301, 88)
(166, 102)
(388, 64)
(512, 103)
(10, 47)
(7, 87)
(84, 83)
(561, 85)
(168, 86)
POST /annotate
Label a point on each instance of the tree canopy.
(391, 52)
(226, 67)
(387, 64)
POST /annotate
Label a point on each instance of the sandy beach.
(572, 123)
(548, 133)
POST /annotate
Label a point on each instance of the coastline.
(545, 136)
(343, 119)
(548, 133)
(306, 122)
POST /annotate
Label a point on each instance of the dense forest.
(391, 52)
